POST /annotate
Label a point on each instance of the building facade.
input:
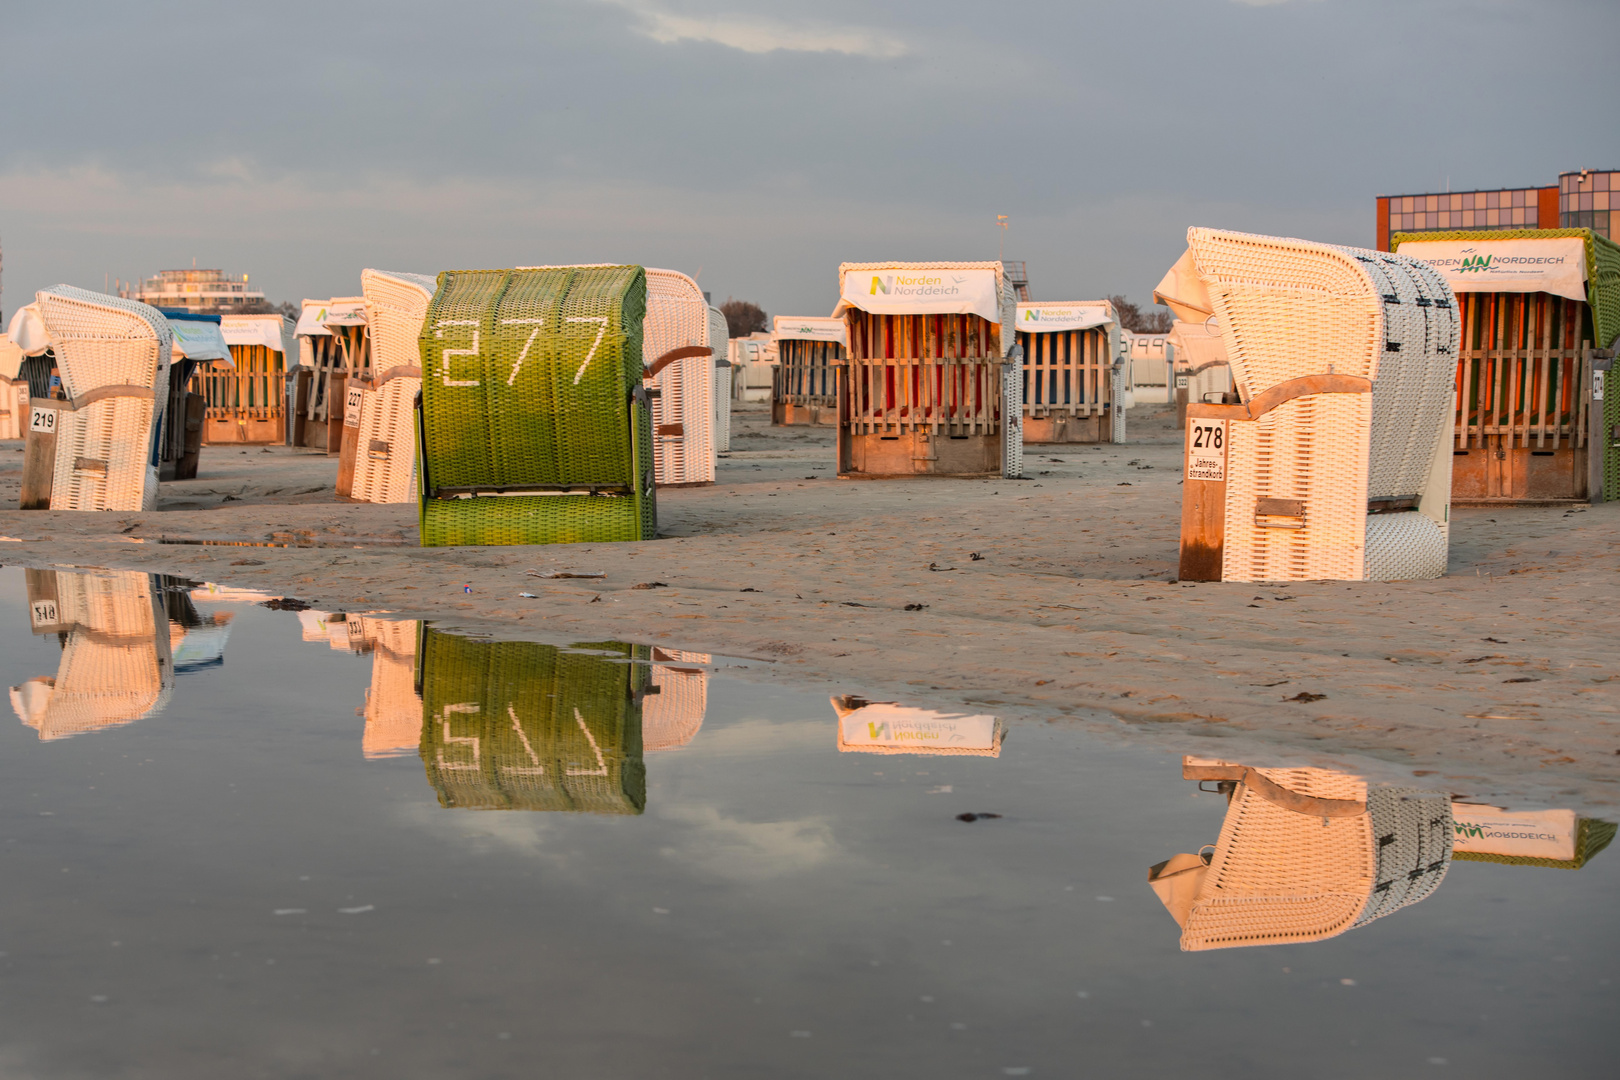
(1579, 200)
(207, 292)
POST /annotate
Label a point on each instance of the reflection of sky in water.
(260, 876)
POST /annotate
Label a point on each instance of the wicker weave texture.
(396, 305)
(1404, 547)
(1312, 449)
(521, 725)
(13, 409)
(528, 379)
(677, 317)
(104, 450)
(672, 717)
(1012, 427)
(115, 666)
(1412, 834)
(385, 451)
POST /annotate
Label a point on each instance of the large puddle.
(251, 842)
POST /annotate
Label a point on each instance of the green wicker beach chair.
(518, 725)
(534, 427)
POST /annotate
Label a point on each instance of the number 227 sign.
(1206, 449)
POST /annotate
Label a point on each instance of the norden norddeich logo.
(916, 285)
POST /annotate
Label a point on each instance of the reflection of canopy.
(1304, 854)
(671, 717)
(520, 725)
(115, 665)
(1561, 839)
(886, 727)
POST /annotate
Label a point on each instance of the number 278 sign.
(1206, 449)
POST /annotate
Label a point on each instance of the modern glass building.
(1581, 199)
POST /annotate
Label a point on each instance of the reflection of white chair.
(671, 717)
(385, 451)
(1304, 854)
(1337, 466)
(115, 666)
(393, 707)
(113, 355)
(683, 432)
(720, 344)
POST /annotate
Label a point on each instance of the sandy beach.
(1046, 600)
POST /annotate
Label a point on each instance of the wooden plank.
(1203, 517)
(39, 455)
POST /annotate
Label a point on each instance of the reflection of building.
(517, 725)
(672, 712)
(1304, 854)
(885, 727)
(115, 637)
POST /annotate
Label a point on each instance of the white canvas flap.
(896, 290)
(1053, 318)
(1556, 266)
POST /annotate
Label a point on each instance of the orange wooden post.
(1203, 492)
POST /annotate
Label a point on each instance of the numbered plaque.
(42, 420)
(1206, 450)
(352, 400)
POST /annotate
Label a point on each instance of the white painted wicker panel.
(1415, 391)
(115, 666)
(1313, 449)
(396, 304)
(102, 456)
(720, 345)
(672, 717)
(1288, 308)
(1405, 547)
(387, 417)
(1012, 419)
(678, 316)
(1412, 834)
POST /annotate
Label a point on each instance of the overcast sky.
(762, 143)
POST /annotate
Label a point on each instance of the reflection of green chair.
(534, 428)
(1592, 835)
(522, 726)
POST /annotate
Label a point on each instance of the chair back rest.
(396, 304)
(102, 340)
(527, 376)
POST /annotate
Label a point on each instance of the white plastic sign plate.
(1597, 384)
(43, 612)
(1206, 449)
(42, 420)
(1181, 382)
(351, 406)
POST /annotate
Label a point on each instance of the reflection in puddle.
(116, 638)
(1306, 854)
(520, 725)
(887, 727)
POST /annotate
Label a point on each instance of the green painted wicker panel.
(526, 726)
(533, 519)
(1603, 298)
(529, 377)
(454, 343)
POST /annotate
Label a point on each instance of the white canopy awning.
(811, 328)
(253, 330)
(1556, 266)
(1052, 318)
(920, 289)
(27, 331)
(317, 315)
(195, 339)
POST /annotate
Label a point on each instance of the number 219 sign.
(1206, 449)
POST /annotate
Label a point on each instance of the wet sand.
(1049, 599)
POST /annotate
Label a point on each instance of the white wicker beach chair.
(113, 355)
(720, 345)
(683, 416)
(1337, 464)
(672, 717)
(116, 666)
(385, 451)
(1304, 854)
